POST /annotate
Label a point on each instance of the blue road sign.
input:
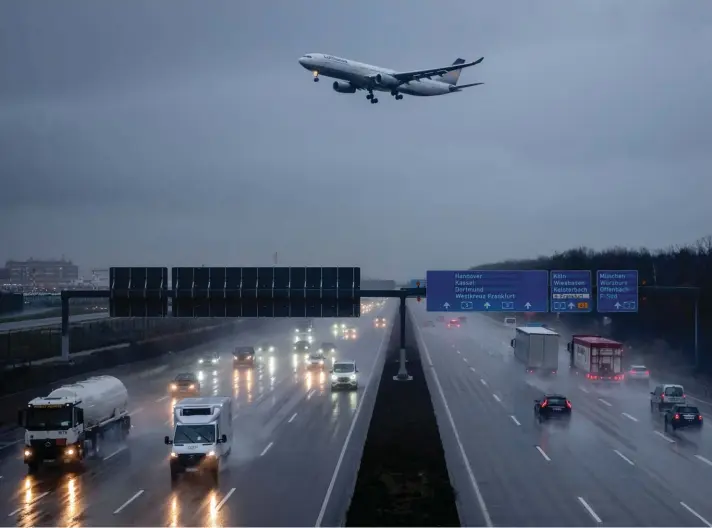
(617, 291)
(571, 291)
(414, 283)
(488, 291)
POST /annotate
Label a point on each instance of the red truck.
(598, 358)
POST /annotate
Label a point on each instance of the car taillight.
(568, 404)
(684, 395)
(662, 396)
(647, 373)
(676, 417)
(699, 417)
(544, 403)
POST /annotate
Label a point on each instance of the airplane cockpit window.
(308, 57)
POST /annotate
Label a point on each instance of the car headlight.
(211, 453)
(69, 452)
(334, 377)
(174, 386)
(353, 377)
(309, 330)
(321, 362)
(271, 349)
(28, 452)
(200, 361)
(192, 387)
(320, 351)
(174, 455)
(215, 360)
(259, 349)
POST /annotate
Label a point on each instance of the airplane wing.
(434, 72)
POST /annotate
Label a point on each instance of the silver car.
(344, 375)
(638, 373)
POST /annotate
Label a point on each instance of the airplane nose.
(302, 61)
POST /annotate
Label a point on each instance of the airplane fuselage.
(358, 74)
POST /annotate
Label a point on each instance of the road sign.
(414, 283)
(138, 292)
(571, 291)
(617, 291)
(266, 292)
(488, 291)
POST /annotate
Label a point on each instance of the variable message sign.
(571, 291)
(138, 292)
(617, 291)
(488, 291)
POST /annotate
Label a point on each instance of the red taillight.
(544, 403)
(676, 417)
(699, 417)
(684, 395)
(568, 404)
(647, 373)
(662, 396)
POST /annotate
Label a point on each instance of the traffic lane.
(615, 436)
(274, 456)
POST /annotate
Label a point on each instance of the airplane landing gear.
(397, 96)
(316, 76)
(371, 98)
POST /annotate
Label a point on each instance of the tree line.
(664, 313)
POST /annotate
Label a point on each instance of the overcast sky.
(180, 133)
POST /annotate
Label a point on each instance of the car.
(510, 321)
(209, 359)
(302, 347)
(344, 375)
(349, 334)
(552, 406)
(683, 417)
(265, 348)
(315, 360)
(666, 395)
(243, 356)
(638, 373)
(453, 323)
(327, 348)
(304, 331)
(379, 322)
(185, 383)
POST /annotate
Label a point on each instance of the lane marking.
(18, 510)
(664, 437)
(698, 457)
(135, 496)
(624, 457)
(514, 419)
(292, 418)
(170, 420)
(136, 411)
(119, 450)
(590, 510)
(497, 398)
(466, 360)
(693, 512)
(630, 417)
(340, 460)
(604, 402)
(264, 451)
(224, 500)
(546, 457)
(473, 369)
(159, 400)
(584, 389)
(459, 352)
(483, 382)
(311, 393)
(10, 444)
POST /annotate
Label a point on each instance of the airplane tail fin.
(453, 76)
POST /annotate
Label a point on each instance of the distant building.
(42, 273)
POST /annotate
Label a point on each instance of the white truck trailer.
(59, 425)
(537, 348)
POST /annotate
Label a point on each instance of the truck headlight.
(28, 452)
(321, 351)
(173, 386)
(271, 349)
(192, 387)
(200, 361)
(69, 452)
(333, 377)
(353, 377)
(321, 362)
(215, 360)
(174, 454)
(211, 453)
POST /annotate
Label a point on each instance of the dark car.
(243, 356)
(428, 324)
(379, 322)
(266, 348)
(683, 417)
(327, 348)
(185, 383)
(552, 406)
(209, 358)
(316, 361)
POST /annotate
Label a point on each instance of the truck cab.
(202, 438)
(304, 331)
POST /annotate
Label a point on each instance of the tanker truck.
(69, 424)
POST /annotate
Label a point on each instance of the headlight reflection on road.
(174, 513)
(73, 489)
(213, 510)
(236, 383)
(353, 400)
(249, 386)
(308, 380)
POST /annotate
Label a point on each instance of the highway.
(612, 465)
(29, 324)
(290, 435)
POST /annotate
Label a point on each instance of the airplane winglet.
(478, 61)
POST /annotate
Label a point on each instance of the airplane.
(355, 76)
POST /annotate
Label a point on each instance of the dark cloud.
(186, 132)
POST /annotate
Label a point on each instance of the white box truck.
(59, 425)
(202, 438)
(537, 348)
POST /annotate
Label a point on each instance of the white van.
(667, 395)
(202, 438)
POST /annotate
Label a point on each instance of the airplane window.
(308, 56)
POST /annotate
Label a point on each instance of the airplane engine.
(343, 87)
(383, 79)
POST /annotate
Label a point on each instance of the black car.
(185, 383)
(244, 356)
(552, 406)
(683, 417)
(327, 348)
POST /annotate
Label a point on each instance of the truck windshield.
(194, 434)
(49, 419)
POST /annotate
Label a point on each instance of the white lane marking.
(604, 402)
(15, 512)
(514, 419)
(459, 352)
(311, 393)
(135, 496)
(136, 411)
(473, 369)
(497, 398)
(483, 382)
(546, 457)
(624, 457)
(292, 418)
(466, 360)
(159, 400)
(354, 420)
(664, 437)
(10, 444)
(264, 451)
(703, 459)
(693, 512)
(119, 450)
(589, 510)
(698, 399)
(224, 500)
(170, 420)
(584, 389)
(630, 417)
